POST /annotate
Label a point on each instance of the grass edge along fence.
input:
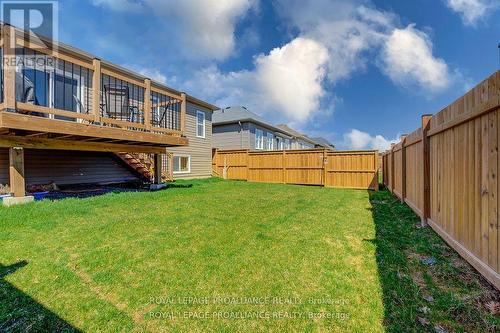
(447, 172)
(342, 169)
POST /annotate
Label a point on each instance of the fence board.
(463, 186)
(357, 169)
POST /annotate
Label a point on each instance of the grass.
(231, 257)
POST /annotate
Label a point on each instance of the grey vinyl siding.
(199, 149)
(301, 144)
(231, 136)
(265, 131)
(65, 167)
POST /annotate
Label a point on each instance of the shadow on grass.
(447, 295)
(21, 313)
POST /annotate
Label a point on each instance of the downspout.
(241, 134)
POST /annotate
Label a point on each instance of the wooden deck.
(82, 102)
(54, 96)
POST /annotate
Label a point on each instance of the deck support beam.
(157, 168)
(16, 172)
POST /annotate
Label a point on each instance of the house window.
(280, 143)
(200, 124)
(259, 139)
(182, 164)
(287, 144)
(270, 141)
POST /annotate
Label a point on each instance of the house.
(70, 118)
(195, 159)
(239, 128)
(323, 143)
(299, 140)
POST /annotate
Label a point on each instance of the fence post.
(392, 168)
(426, 168)
(403, 167)
(215, 169)
(325, 162)
(247, 164)
(284, 166)
(376, 155)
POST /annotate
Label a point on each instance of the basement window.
(182, 164)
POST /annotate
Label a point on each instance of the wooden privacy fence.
(345, 169)
(447, 172)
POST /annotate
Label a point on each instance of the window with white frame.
(182, 164)
(200, 124)
(287, 144)
(279, 141)
(270, 141)
(259, 139)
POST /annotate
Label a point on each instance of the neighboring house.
(323, 143)
(195, 160)
(298, 140)
(239, 128)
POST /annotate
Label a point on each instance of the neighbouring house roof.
(235, 114)
(323, 142)
(295, 133)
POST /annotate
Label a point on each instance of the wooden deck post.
(96, 89)
(16, 172)
(403, 167)
(157, 168)
(183, 113)
(426, 211)
(147, 104)
(170, 166)
(9, 67)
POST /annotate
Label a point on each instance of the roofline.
(300, 136)
(199, 102)
(252, 120)
(84, 54)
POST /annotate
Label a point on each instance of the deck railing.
(65, 85)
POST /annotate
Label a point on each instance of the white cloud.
(204, 28)
(472, 11)
(206, 25)
(355, 34)
(335, 39)
(359, 140)
(407, 59)
(152, 73)
(348, 29)
(118, 5)
(290, 77)
(287, 82)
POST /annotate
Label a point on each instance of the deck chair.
(124, 111)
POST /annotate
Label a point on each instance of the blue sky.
(357, 72)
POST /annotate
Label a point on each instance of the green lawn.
(231, 257)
